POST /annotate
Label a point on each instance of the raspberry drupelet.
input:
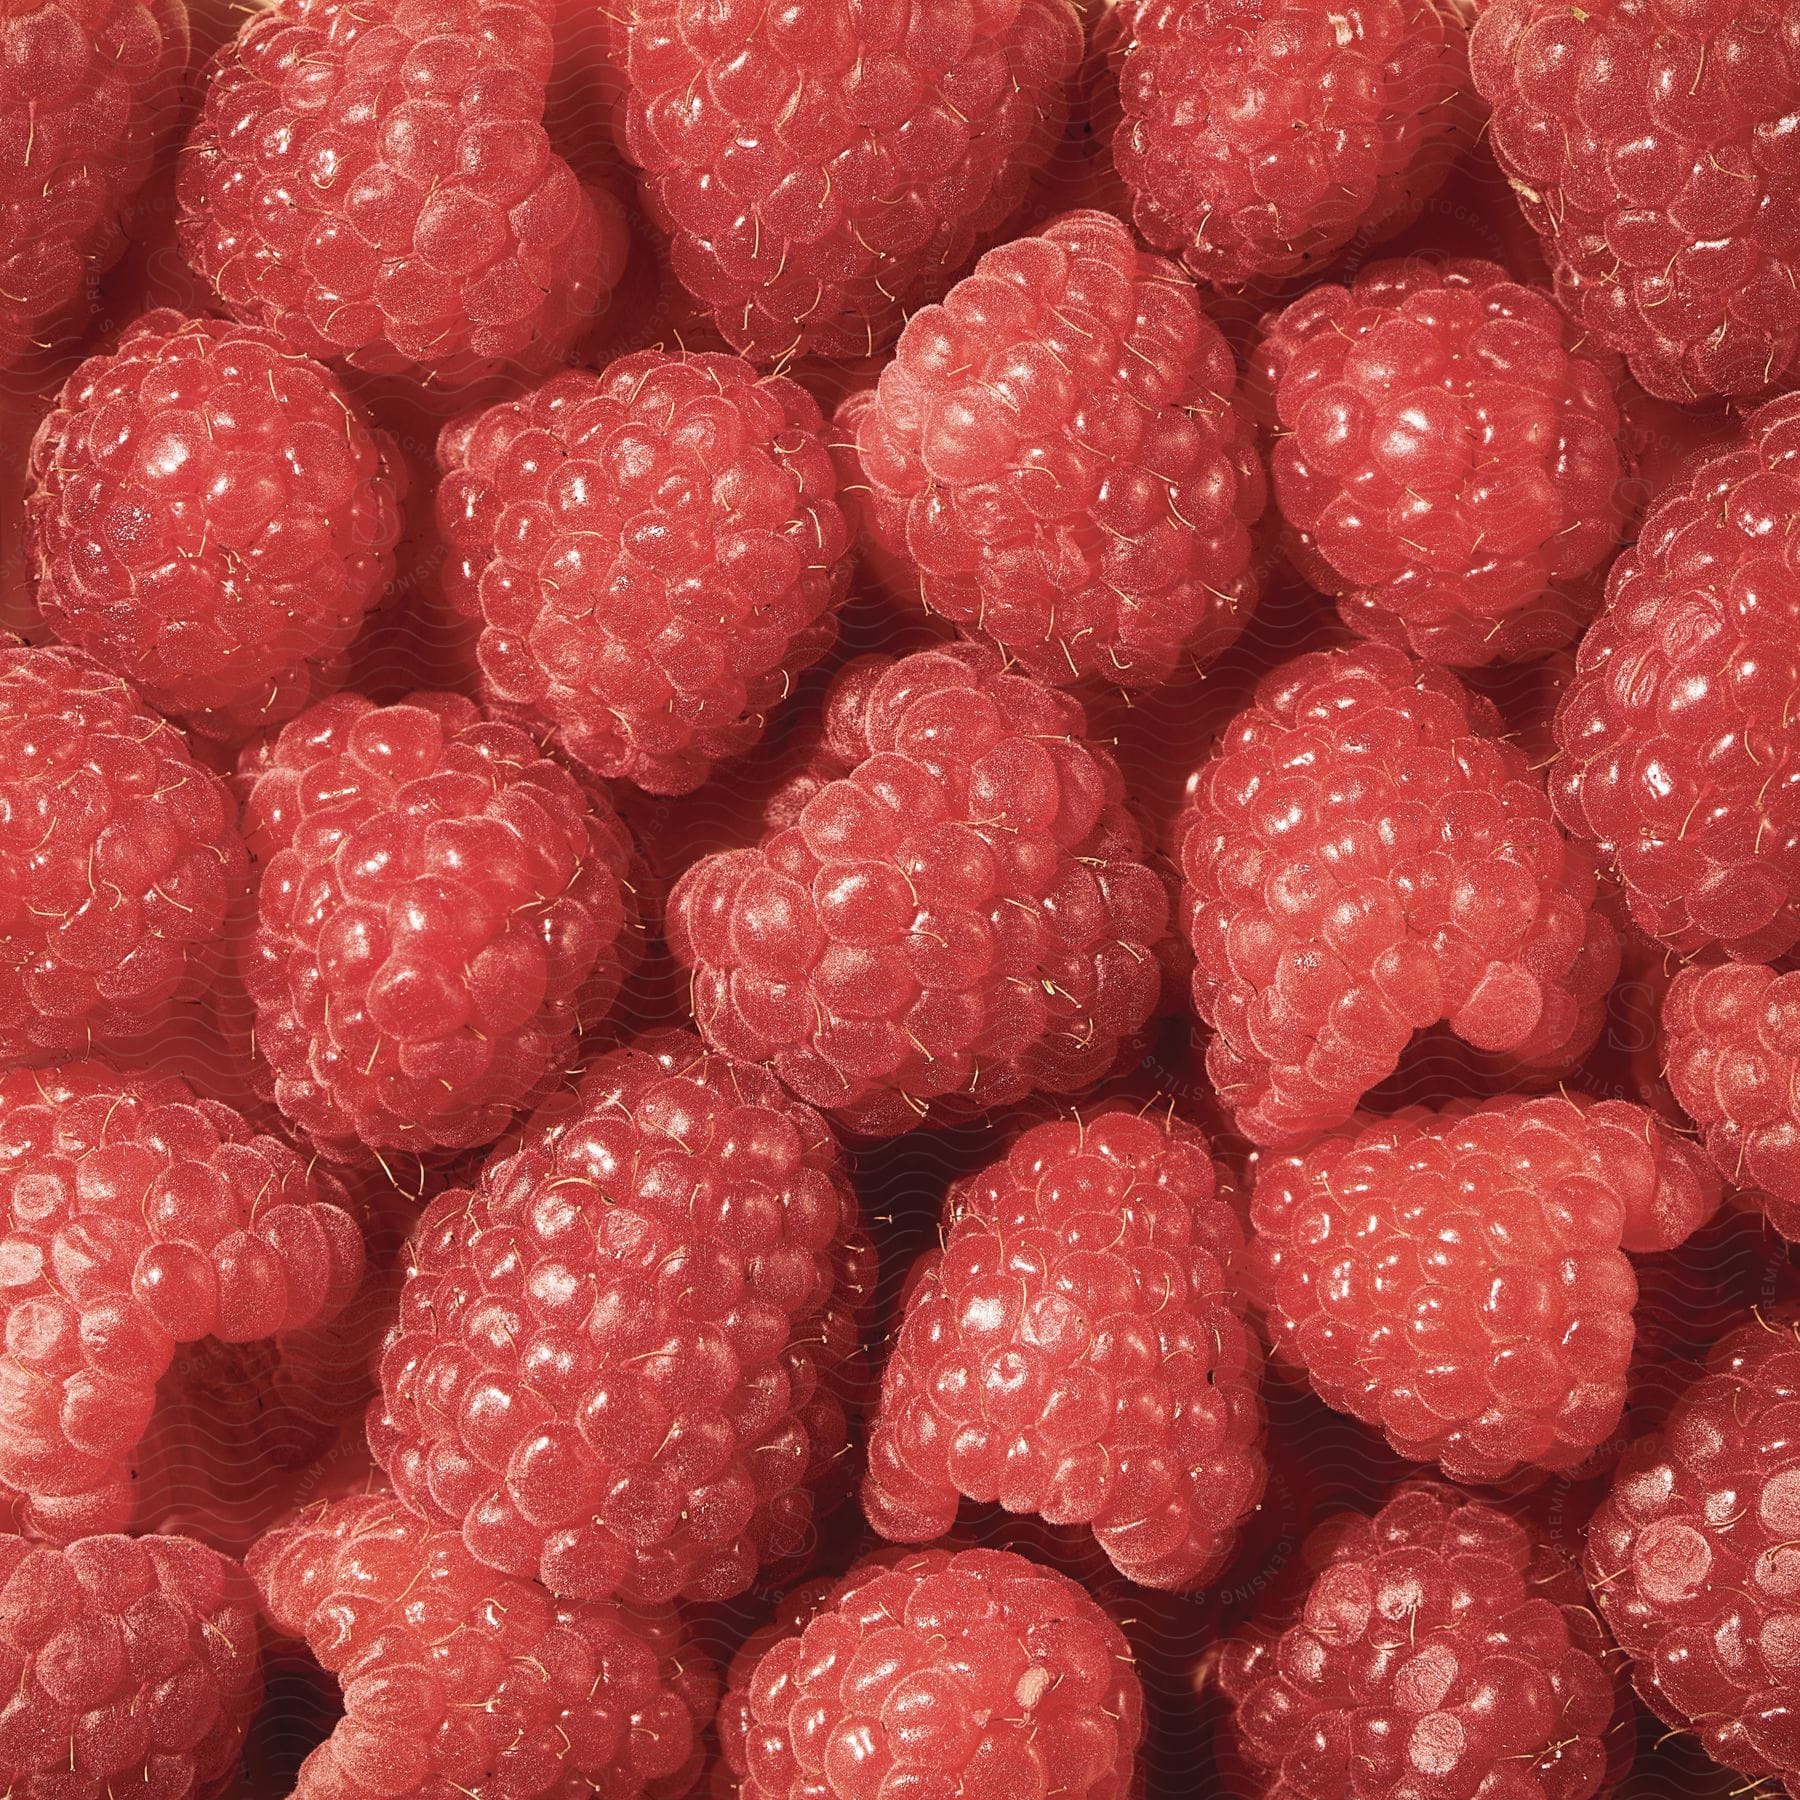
(135, 1216)
(823, 171)
(621, 1360)
(440, 911)
(1446, 457)
(1439, 1650)
(939, 1673)
(458, 1681)
(1678, 736)
(652, 554)
(88, 89)
(1691, 1557)
(1650, 143)
(132, 1669)
(960, 918)
(1457, 1279)
(119, 859)
(1056, 461)
(379, 190)
(1364, 856)
(209, 515)
(1078, 1350)
(1257, 138)
(1731, 1045)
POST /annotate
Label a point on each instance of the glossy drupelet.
(1457, 1279)
(119, 859)
(652, 554)
(131, 1669)
(1679, 736)
(440, 909)
(1445, 457)
(1438, 1650)
(1731, 1046)
(209, 515)
(1077, 1349)
(622, 1362)
(821, 171)
(88, 91)
(379, 190)
(458, 1681)
(1258, 138)
(1692, 1559)
(1651, 144)
(1365, 856)
(1057, 464)
(136, 1216)
(962, 916)
(938, 1673)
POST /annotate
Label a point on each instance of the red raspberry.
(933, 1673)
(1363, 857)
(1680, 755)
(137, 1216)
(1731, 1042)
(87, 90)
(962, 918)
(119, 858)
(1457, 1279)
(1055, 456)
(379, 189)
(1440, 1651)
(652, 553)
(1077, 1349)
(131, 1668)
(460, 1681)
(209, 515)
(1446, 462)
(824, 170)
(1650, 143)
(1692, 1560)
(440, 910)
(1259, 137)
(619, 1359)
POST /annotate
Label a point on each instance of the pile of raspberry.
(899, 901)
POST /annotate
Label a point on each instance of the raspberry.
(1259, 137)
(1650, 144)
(458, 1680)
(618, 1359)
(1447, 462)
(137, 1216)
(210, 516)
(941, 1673)
(1363, 857)
(87, 90)
(1440, 1650)
(1692, 1561)
(131, 1667)
(1457, 1279)
(1078, 1350)
(1731, 1040)
(825, 170)
(1679, 752)
(962, 918)
(440, 910)
(380, 190)
(119, 858)
(1055, 456)
(653, 553)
